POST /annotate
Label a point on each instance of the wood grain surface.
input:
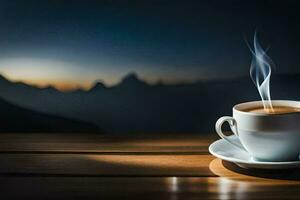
(60, 166)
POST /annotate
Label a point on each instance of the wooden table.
(57, 166)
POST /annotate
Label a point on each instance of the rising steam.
(260, 72)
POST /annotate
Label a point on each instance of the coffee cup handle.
(232, 124)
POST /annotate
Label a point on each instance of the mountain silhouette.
(134, 106)
(132, 81)
(17, 119)
(98, 85)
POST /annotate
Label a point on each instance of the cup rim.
(237, 108)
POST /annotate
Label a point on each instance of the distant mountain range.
(133, 106)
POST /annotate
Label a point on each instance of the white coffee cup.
(265, 137)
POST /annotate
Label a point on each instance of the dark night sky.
(69, 43)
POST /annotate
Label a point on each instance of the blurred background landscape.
(132, 67)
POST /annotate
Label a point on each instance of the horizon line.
(77, 87)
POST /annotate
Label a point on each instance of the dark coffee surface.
(275, 110)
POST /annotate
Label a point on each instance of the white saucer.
(225, 151)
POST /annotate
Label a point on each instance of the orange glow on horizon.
(57, 84)
(67, 76)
